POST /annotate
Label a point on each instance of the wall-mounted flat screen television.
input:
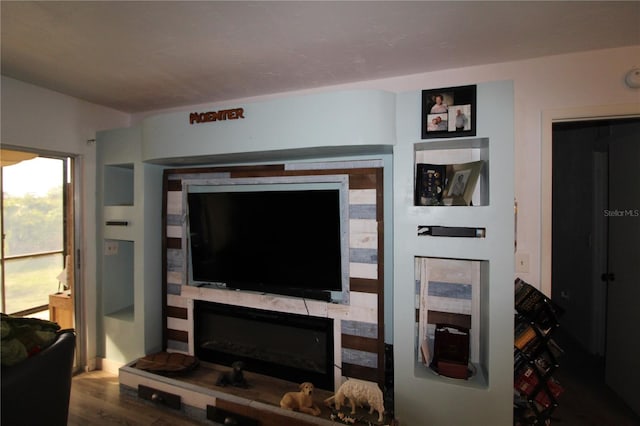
(272, 241)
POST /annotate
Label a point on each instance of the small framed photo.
(449, 112)
(461, 183)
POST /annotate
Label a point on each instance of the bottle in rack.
(536, 356)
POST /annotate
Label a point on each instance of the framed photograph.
(449, 112)
(461, 182)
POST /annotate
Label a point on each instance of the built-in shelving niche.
(451, 291)
(118, 185)
(457, 151)
(118, 279)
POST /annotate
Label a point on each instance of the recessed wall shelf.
(118, 185)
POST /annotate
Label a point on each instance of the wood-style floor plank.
(96, 400)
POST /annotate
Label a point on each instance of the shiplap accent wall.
(358, 322)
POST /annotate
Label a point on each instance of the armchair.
(36, 391)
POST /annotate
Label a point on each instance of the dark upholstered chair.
(37, 390)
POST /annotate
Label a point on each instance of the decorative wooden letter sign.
(223, 114)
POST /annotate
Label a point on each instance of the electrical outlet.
(522, 262)
(110, 248)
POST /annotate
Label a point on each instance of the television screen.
(276, 241)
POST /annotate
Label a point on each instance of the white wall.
(570, 81)
(37, 118)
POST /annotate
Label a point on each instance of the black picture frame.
(445, 108)
(430, 184)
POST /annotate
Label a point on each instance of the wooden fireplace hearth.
(196, 395)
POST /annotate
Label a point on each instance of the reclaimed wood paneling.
(358, 328)
(174, 185)
(364, 285)
(174, 243)
(174, 277)
(364, 344)
(360, 358)
(176, 312)
(174, 202)
(460, 320)
(366, 180)
(174, 231)
(363, 353)
(178, 324)
(177, 301)
(360, 372)
(179, 335)
(363, 270)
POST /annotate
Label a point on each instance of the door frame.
(550, 116)
(80, 361)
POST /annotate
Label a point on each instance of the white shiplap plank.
(174, 231)
(257, 300)
(367, 226)
(174, 277)
(337, 352)
(363, 240)
(353, 313)
(363, 300)
(363, 270)
(178, 324)
(176, 301)
(362, 196)
(448, 304)
(174, 202)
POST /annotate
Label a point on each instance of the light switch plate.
(522, 262)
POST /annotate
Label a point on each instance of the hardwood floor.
(96, 400)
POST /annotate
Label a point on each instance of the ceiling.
(150, 55)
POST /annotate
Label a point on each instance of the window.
(34, 230)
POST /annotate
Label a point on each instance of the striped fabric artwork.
(449, 297)
(448, 303)
(447, 292)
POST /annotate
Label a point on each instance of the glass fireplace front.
(293, 347)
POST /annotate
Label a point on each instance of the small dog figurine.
(301, 401)
(235, 377)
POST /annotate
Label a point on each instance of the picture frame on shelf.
(461, 183)
(449, 112)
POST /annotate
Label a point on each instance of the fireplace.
(293, 347)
